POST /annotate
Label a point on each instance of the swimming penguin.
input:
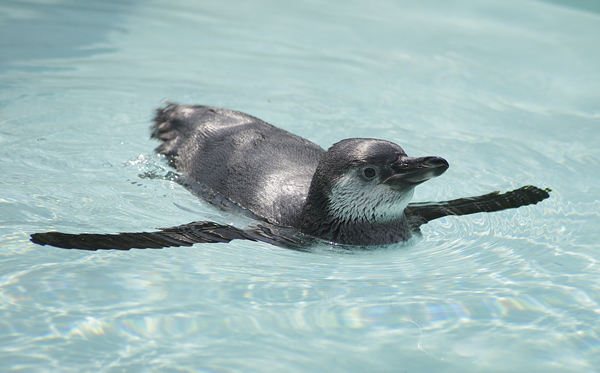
(356, 193)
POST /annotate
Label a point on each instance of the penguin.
(357, 193)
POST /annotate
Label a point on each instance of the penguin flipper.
(421, 213)
(183, 235)
(210, 232)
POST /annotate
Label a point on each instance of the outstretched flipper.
(421, 213)
(182, 235)
(209, 232)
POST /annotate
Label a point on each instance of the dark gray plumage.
(355, 193)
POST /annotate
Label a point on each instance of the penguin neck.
(325, 225)
(348, 214)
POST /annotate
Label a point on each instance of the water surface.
(505, 91)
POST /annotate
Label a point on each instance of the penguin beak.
(417, 170)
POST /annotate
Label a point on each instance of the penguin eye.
(369, 172)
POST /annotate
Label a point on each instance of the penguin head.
(367, 180)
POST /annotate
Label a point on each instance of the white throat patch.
(355, 199)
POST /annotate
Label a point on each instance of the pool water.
(506, 91)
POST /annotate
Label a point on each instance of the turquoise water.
(506, 91)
